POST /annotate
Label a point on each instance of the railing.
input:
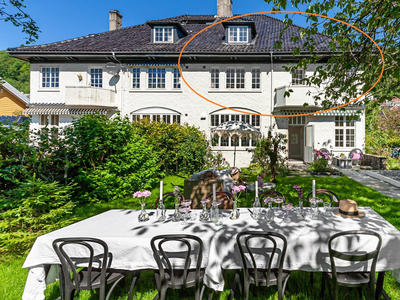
(301, 94)
(89, 96)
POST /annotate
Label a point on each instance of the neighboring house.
(12, 103)
(134, 70)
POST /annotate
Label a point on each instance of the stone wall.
(374, 161)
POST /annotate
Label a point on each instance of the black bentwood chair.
(351, 279)
(169, 277)
(329, 193)
(85, 273)
(261, 276)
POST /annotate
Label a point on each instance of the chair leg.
(246, 290)
(321, 295)
(112, 288)
(235, 283)
(136, 275)
(335, 291)
(311, 278)
(284, 285)
(359, 289)
(210, 296)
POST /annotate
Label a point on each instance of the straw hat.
(348, 209)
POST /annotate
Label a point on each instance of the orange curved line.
(267, 12)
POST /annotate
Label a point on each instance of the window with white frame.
(214, 78)
(255, 78)
(166, 118)
(298, 76)
(176, 79)
(238, 34)
(50, 77)
(96, 77)
(298, 120)
(217, 119)
(235, 78)
(163, 34)
(156, 78)
(136, 78)
(344, 132)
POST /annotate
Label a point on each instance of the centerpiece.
(236, 191)
(143, 216)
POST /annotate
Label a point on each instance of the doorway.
(296, 142)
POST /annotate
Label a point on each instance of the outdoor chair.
(178, 278)
(351, 279)
(169, 195)
(89, 272)
(226, 199)
(332, 196)
(355, 155)
(268, 275)
(262, 196)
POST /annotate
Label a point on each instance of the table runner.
(129, 241)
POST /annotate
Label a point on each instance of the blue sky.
(65, 19)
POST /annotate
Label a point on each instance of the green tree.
(14, 11)
(353, 63)
(15, 71)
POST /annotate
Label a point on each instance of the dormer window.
(163, 34)
(238, 34)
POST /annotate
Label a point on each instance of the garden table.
(129, 242)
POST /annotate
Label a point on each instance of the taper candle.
(256, 188)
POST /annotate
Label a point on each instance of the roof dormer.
(166, 32)
(239, 32)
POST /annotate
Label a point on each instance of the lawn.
(12, 277)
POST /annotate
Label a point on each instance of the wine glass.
(287, 207)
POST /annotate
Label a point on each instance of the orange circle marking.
(273, 12)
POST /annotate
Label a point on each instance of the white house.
(134, 70)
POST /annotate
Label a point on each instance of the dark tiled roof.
(137, 39)
(11, 119)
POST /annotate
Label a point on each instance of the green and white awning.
(62, 109)
(334, 112)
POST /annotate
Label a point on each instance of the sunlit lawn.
(12, 277)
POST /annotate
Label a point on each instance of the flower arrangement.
(320, 154)
(142, 195)
(176, 193)
(299, 190)
(273, 199)
(205, 201)
(237, 190)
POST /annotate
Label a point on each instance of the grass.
(12, 276)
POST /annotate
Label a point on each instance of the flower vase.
(177, 215)
(160, 211)
(314, 209)
(214, 212)
(204, 215)
(235, 211)
(256, 209)
(270, 212)
(143, 216)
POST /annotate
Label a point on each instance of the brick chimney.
(224, 8)
(115, 20)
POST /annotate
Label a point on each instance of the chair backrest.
(168, 195)
(225, 197)
(262, 196)
(274, 250)
(163, 258)
(354, 256)
(355, 150)
(332, 196)
(71, 264)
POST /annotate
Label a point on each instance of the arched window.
(157, 114)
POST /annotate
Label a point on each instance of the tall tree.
(353, 61)
(14, 71)
(14, 11)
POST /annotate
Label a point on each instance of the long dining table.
(129, 242)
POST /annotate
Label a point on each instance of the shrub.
(33, 208)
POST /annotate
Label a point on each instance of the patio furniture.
(332, 196)
(129, 242)
(356, 155)
(168, 195)
(225, 198)
(355, 278)
(89, 272)
(261, 276)
(274, 194)
(168, 275)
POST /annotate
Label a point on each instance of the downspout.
(121, 87)
(272, 90)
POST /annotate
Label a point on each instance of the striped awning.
(334, 112)
(61, 109)
(153, 65)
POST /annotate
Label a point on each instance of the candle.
(161, 189)
(256, 188)
(313, 188)
(214, 193)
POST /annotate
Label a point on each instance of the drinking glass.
(185, 204)
(287, 207)
(220, 220)
(279, 201)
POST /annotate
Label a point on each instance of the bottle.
(177, 215)
(235, 212)
(270, 212)
(204, 215)
(160, 215)
(214, 212)
(256, 209)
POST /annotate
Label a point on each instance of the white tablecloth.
(129, 242)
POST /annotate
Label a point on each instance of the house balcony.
(301, 94)
(89, 96)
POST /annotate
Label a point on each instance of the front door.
(296, 142)
(308, 143)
